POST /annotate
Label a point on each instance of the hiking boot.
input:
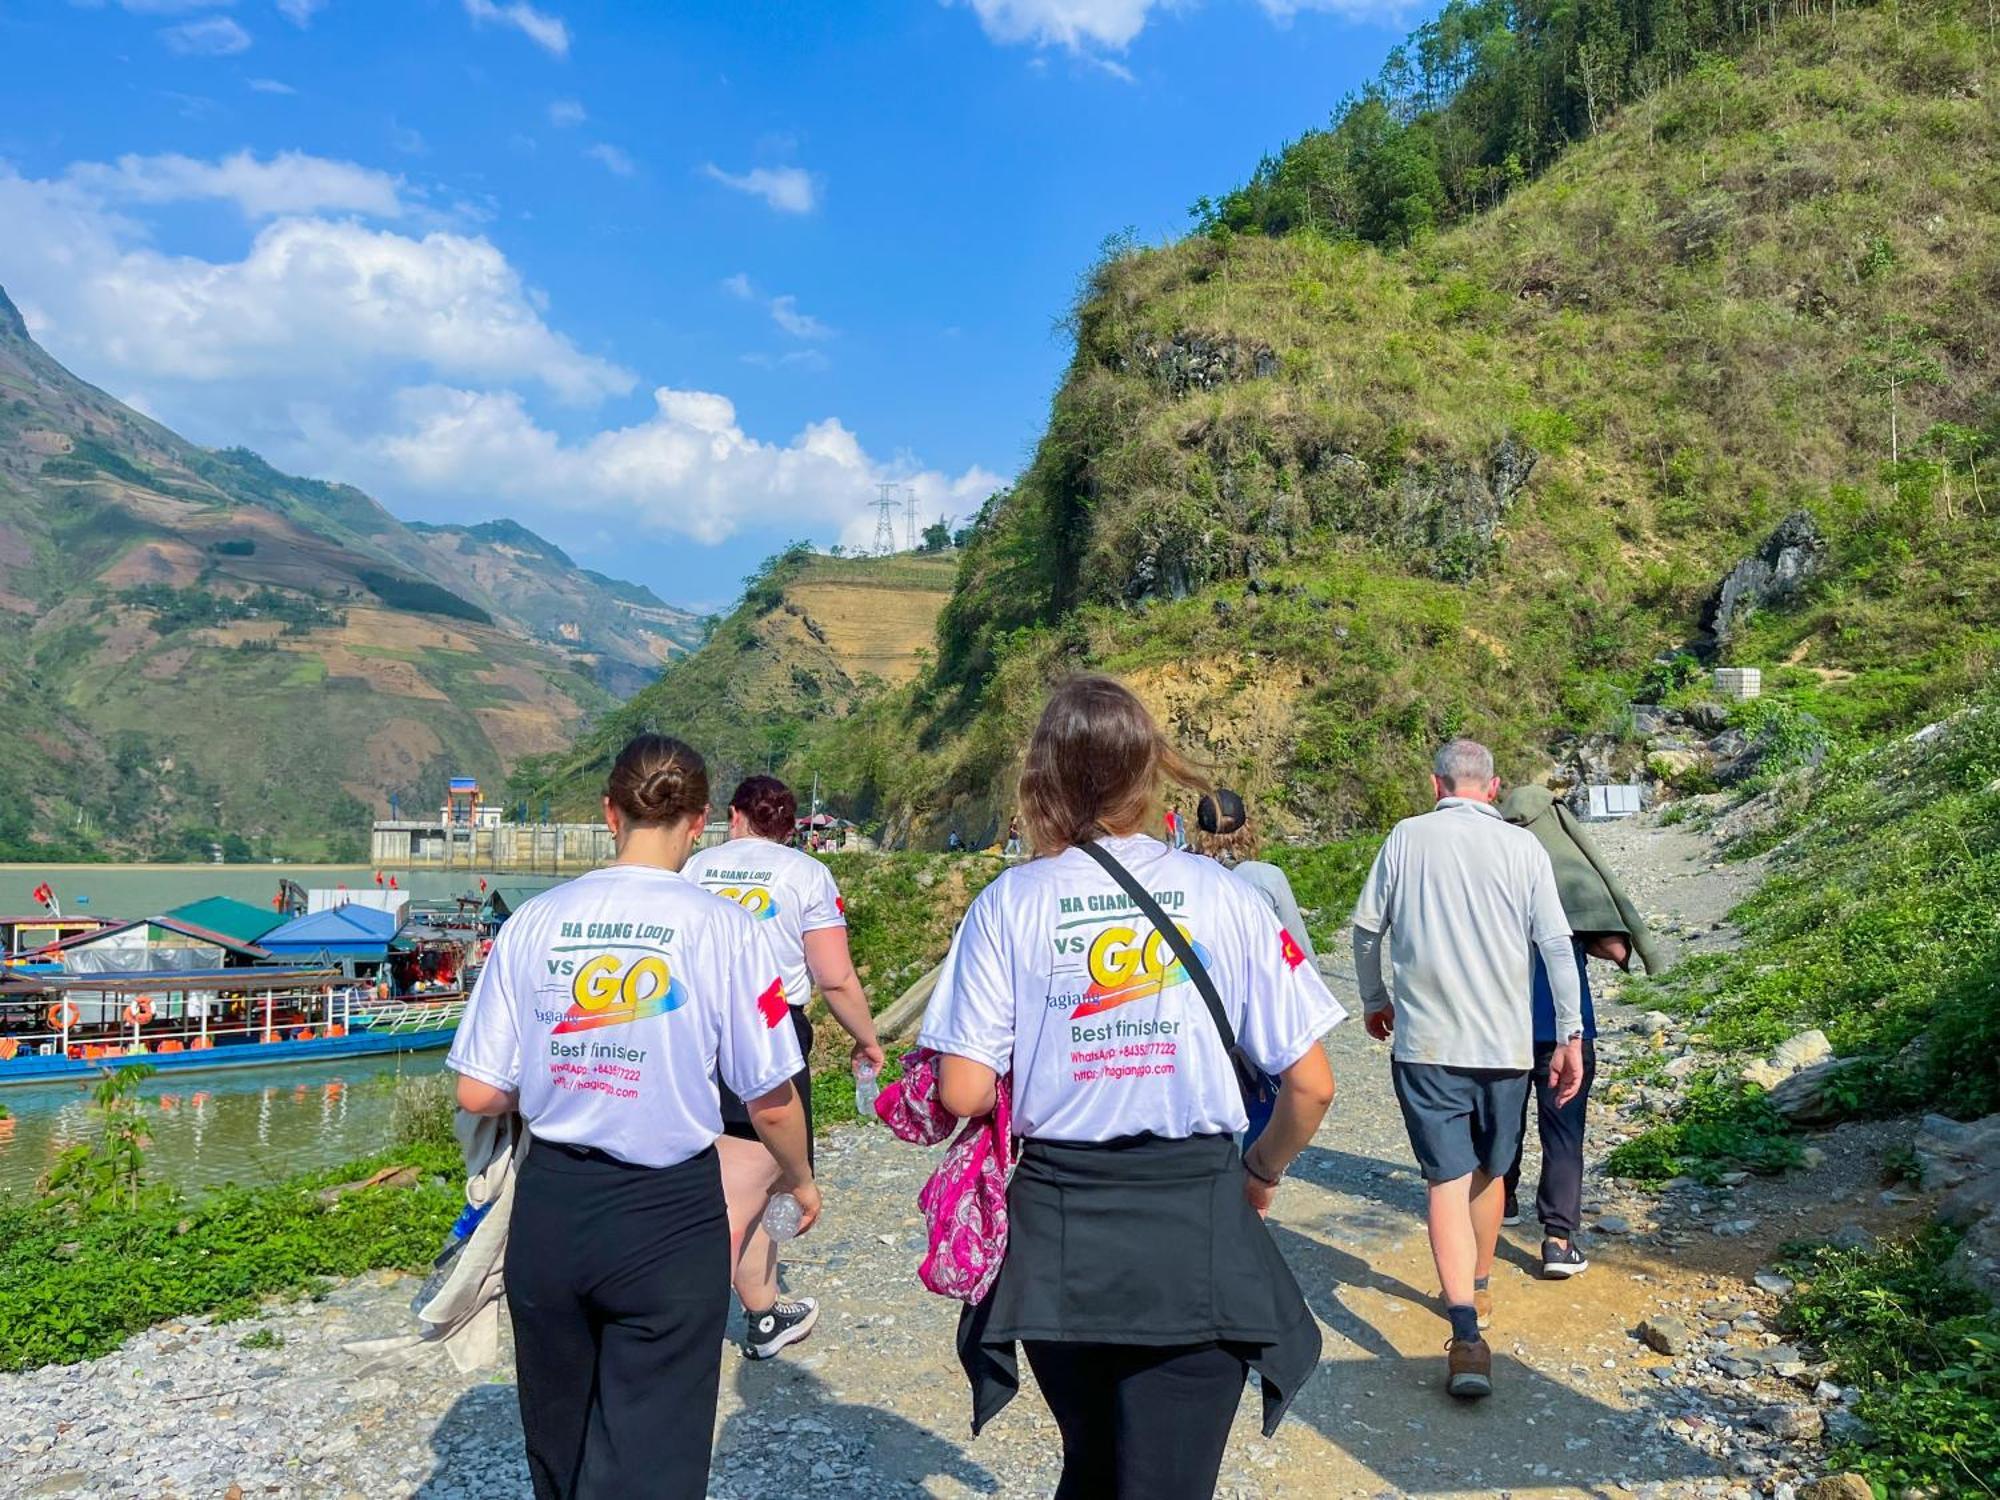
(1511, 1214)
(1482, 1303)
(1470, 1366)
(785, 1323)
(1560, 1261)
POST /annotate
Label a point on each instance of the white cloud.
(1075, 25)
(211, 36)
(613, 160)
(566, 112)
(688, 470)
(312, 302)
(300, 12)
(270, 86)
(538, 26)
(289, 183)
(800, 325)
(789, 190)
(784, 310)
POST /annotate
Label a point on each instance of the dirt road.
(874, 1404)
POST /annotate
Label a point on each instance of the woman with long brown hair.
(607, 1008)
(1124, 985)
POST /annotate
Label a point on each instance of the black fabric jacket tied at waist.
(1144, 1241)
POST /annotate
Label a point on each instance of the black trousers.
(618, 1284)
(1140, 1423)
(1559, 1197)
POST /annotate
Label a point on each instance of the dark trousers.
(1138, 1421)
(1559, 1197)
(618, 1285)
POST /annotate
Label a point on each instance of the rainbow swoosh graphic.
(1109, 995)
(606, 992)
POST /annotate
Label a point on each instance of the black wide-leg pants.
(618, 1285)
(1140, 1423)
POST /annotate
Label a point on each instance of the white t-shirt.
(1055, 977)
(611, 1001)
(790, 894)
(1462, 895)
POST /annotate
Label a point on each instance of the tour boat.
(55, 1027)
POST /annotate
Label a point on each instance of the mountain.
(193, 642)
(816, 642)
(1454, 417)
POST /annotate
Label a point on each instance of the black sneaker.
(786, 1323)
(1511, 1214)
(1560, 1261)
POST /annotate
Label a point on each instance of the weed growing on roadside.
(1921, 1348)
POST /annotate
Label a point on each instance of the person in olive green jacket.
(1608, 926)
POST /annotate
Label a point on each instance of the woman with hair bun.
(795, 900)
(606, 1009)
(1138, 1271)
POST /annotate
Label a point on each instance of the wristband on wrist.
(1267, 1181)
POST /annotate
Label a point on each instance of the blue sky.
(670, 283)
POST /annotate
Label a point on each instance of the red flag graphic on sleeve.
(840, 905)
(1288, 945)
(378, 877)
(771, 1005)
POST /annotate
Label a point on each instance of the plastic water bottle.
(447, 1258)
(866, 1088)
(782, 1216)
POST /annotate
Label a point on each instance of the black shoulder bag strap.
(1249, 1077)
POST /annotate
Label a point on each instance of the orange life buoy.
(8, 1047)
(201, 1044)
(381, 992)
(140, 1011)
(171, 1045)
(336, 1030)
(64, 1014)
(269, 1036)
(305, 1034)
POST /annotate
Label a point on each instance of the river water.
(147, 890)
(244, 1125)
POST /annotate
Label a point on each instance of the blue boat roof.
(346, 931)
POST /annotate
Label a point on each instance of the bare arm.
(779, 1118)
(1305, 1091)
(966, 1088)
(478, 1098)
(832, 969)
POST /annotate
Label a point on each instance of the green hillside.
(1328, 501)
(816, 648)
(198, 649)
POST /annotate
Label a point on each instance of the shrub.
(1921, 1347)
(1717, 1125)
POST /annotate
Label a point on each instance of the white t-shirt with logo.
(1056, 977)
(789, 892)
(610, 1003)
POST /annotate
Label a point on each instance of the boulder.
(1952, 1153)
(1707, 716)
(1838, 1487)
(1809, 1096)
(1789, 558)
(1802, 1051)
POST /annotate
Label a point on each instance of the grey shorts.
(1461, 1120)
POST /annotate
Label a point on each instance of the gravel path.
(874, 1404)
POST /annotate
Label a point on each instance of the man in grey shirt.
(1460, 896)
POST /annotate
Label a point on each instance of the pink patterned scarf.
(965, 1202)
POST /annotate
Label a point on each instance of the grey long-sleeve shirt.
(1458, 896)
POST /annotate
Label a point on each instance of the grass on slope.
(1880, 922)
(1691, 321)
